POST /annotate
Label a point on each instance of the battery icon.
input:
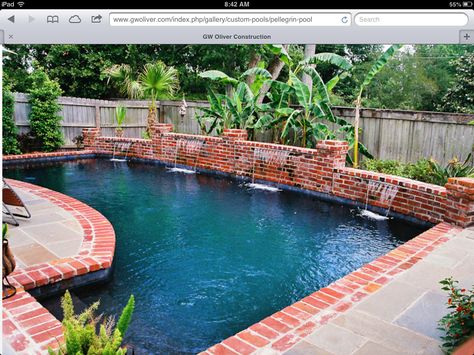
(467, 4)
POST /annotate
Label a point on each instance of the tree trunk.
(275, 67)
(254, 60)
(150, 121)
(309, 51)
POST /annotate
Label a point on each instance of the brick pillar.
(229, 147)
(235, 134)
(330, 155)
(333, 152)
(158, 130)
(460, 201)
(90, 135)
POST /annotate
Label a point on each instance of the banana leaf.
(218, 76)
(302, 92)
(331, 58)
(281, 52)
(378, 65)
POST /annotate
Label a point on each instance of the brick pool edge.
(321, 170)
(27, 325)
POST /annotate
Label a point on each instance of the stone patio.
(65, 243)
(51, 233)
(401, 318)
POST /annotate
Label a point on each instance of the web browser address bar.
(235, 19)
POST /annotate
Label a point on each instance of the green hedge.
(44, 119)
(9, 133)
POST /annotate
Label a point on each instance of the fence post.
(97, 116)
(161, 113)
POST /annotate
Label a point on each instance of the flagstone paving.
(51, 233)
(400, 318)
(63, 240)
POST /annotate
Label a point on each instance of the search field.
(234, 19)
(411, 19)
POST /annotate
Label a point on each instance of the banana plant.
(314, 104)
(374, 70)
(238, 110)
(276, 111)
(216, 116)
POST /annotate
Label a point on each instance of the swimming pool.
(205, 256)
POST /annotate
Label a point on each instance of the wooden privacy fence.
(388, 134)
(79, 113)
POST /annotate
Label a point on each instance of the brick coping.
(31, 156)
(27, 326)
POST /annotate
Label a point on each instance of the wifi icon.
(20, 3)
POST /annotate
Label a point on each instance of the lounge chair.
(11, 198)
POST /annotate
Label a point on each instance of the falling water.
(268, 156)
(120, 147)
(386, 193)
(190, 147)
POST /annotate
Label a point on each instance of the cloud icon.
(75, 19)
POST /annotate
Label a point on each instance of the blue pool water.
(206, 257)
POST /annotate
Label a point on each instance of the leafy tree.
(44, 118)
(460, 97)
(78, 68)
(416, 78)
(10, 131)
(374, 70)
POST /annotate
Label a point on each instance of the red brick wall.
(424, 201)
(321, 169)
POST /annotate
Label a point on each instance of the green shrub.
(44, 118)
(10, 142)
(454, 168)
(391, 167)
(423, 170)
(458, 325)
(80, 337)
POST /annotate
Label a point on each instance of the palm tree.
(155, 81)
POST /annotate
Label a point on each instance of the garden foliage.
(299, 113)
(9, 133)
(45, 123)
(458, 324)
(460, 97)
(424, 170)
(80, 336)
